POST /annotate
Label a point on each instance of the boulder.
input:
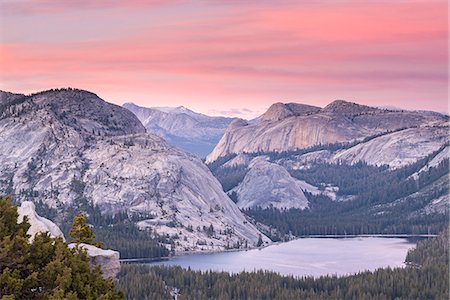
(108, 260)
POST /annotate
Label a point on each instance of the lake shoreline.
(207, 252)
(302, 257)
(381, 235)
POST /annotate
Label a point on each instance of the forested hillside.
(117, 232)
(371, 199)
(384, 202)
(426, 278)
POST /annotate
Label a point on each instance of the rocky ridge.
(294, 137)
(66, 147)
(286, 127)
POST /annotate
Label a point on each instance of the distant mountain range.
(193, 132)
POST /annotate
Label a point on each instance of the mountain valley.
(345, 168)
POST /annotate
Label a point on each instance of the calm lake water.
(306, 256)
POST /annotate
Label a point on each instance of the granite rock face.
(108, 260)
(66, 146)
(293, 126)
(38, 224)
(269, 185)
(396, 149)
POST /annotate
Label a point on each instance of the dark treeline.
(431, 251)
(117, 231)
(132, 242)
(300, 223)
(230, 177)
(373, 182)
(427, 278)
(328, 217)
(374, 208)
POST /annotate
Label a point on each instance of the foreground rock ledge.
(108, 260)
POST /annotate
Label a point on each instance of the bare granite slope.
(65, 146)
(290, 126)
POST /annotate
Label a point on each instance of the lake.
(305, 256)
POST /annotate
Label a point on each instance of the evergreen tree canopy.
(80, 232)
(45, 268)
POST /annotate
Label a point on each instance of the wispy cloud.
(239, 53)
(235, 112)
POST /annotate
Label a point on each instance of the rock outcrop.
(108, 260)
(269, 185)
(38, 224)
(280, 111)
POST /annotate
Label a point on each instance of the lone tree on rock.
(80, 231)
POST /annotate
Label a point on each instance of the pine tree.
(80, 231)
(260, 241)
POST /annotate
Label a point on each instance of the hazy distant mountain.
(183, 128)
(69, 148)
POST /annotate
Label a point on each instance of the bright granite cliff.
(269, 185)
(64, 147)
(108, 260)
(286, 127)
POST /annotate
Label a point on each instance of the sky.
(230, 57)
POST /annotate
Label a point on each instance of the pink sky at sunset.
(230, 57)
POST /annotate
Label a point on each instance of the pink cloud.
(256, 53)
